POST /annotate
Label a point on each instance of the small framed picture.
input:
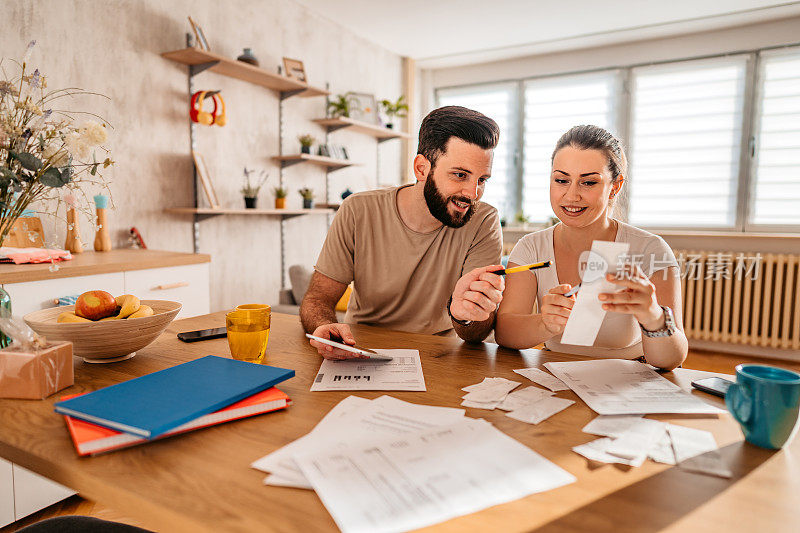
(365, 108)
(199, 35)
(205, 179)
(294, 69)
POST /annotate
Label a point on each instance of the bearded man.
(419, 255)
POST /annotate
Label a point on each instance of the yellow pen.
(521, 268)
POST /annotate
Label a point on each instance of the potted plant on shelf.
(280, 197)
(250, 190)
(398, 109)
(342, 105)
(308, 197)
(305, 143)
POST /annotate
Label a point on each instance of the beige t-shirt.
(619, 335)
(403, 278)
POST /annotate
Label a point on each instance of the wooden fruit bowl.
(109, 341)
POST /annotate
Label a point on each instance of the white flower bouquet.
(46, 156)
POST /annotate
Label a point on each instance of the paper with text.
(402, 373)
(540, 377)
(619, 387)
(420, 479)
(587, 314)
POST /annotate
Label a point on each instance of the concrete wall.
(113, 46)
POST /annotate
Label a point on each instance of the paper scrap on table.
(420, 479)
(635, 442)
(492, 393)
(611, 425)
(587, 314)
(662, 451)
(696, 451)
(620, 386)
(523, 397)
(542, 378)
(352, 420)
(541, 410)
(596, 450)
(402, 373)
(485, 383)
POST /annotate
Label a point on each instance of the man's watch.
(457, 321)
(666, 330)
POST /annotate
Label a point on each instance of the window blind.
(552, 106)
(776, 182)
(498, 102)
(685, 143)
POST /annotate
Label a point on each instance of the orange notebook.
(91, 439)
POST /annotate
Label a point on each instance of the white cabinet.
(6, 493)
(187, 284)
(33, 492)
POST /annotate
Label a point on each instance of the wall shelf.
(207, 212)
(202, 60)
(328, 162)
(379, 132)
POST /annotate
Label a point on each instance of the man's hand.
(477, 294)
(338, 333)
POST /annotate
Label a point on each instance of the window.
(552, 106)
(499, 103)
(776, 180)
(685, 143)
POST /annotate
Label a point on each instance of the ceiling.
(443, 33)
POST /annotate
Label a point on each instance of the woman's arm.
(643, 299)
(517, 327)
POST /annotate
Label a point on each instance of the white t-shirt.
(619, 336)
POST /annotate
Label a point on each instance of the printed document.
(403, 372)
(353, 420)
(587, 314)
(419, 479)
(622, 387)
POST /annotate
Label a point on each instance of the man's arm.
(318, 316)
(475, 298)
(477, 331)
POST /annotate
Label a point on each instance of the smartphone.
(203, 335)
(715, 386)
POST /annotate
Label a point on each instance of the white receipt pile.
(531, 404)
(389, 465)
(630, 439)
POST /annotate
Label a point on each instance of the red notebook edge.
(93, 439)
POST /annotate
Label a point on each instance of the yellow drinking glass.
(253, 307)
(248, 333)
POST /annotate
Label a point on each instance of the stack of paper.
(531, 404)
(389, 465)
(630, 439)
(622, 387)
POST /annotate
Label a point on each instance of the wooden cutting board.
(27, 232)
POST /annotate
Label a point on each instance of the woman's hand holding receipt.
(477, 294)
(556, 308)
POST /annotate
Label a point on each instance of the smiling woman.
(588, 173)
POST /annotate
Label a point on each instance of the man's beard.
(437, 205)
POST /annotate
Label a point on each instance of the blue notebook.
(156, 403)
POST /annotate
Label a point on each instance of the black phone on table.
(203, 334)
(716, 386)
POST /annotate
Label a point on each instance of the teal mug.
(765, 400)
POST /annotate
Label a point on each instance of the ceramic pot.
(280, 203)
(308, 203)
(250, 203)
(248, 57)
(305, 149)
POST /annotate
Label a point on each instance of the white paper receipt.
(403, 372)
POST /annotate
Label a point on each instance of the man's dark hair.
(455, 121)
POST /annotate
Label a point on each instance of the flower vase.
(280, 203)
(248, 57)
(308, 203)
(305, 149)
(250, 202)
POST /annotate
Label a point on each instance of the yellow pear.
(128, 304)
(115, 317)
(70, 317)
(144, 310)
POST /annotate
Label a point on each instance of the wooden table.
(201, 481)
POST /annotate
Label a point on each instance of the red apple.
(95, 305)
